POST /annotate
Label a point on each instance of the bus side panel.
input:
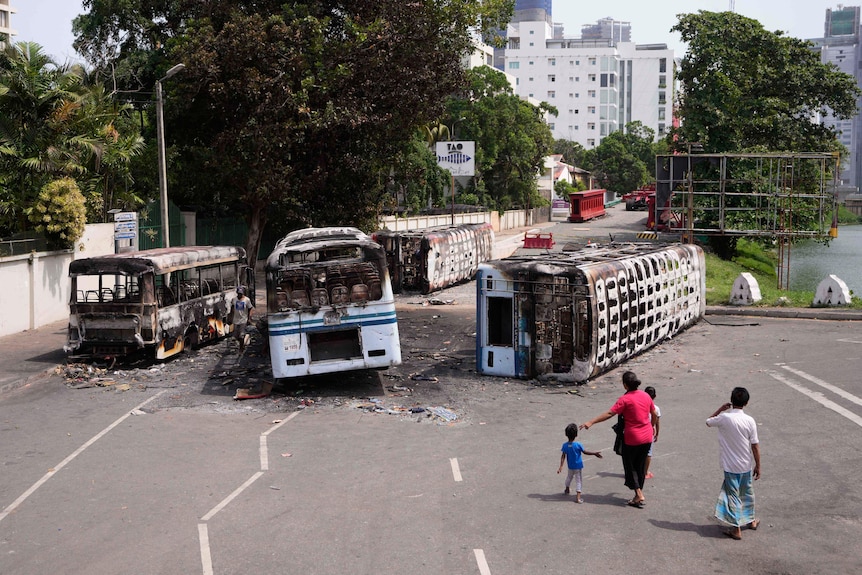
(194, 321)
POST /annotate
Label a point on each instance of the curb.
(830, 314)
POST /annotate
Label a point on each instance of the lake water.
(811, 262)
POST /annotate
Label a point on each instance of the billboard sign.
(459, 158)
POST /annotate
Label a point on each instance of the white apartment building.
(6, 12)
(597, 85)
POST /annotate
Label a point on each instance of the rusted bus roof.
(159, 261)
(555, 262)
(435, 231)
(315, 239)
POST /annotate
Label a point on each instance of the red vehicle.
(639, 199)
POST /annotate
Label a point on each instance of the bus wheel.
(191, 339)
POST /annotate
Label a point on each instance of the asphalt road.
(336, 474)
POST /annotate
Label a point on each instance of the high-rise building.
(597, 85)
(607, 28)
(533, 10)
(842, 45)
(6, 12)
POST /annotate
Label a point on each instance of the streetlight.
(160, 140)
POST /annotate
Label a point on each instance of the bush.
(60, 212)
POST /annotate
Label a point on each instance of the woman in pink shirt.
(639, 415)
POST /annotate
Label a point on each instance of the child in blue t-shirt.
(572, 451)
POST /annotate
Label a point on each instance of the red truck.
(639, 199)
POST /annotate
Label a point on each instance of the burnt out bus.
(434, 258)
(329, 304)
(571, 316)
(158, 301)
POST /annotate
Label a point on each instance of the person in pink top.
(640, 416)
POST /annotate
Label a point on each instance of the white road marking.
(203, 530)
(14, 505)
(264, 454)
(232, 496)
(280, 423)
(480, 561)
(206, 557)
(823, 384)
(849, 341)
(456, 472)
(818, 397)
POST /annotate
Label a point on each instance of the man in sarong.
(740, 459)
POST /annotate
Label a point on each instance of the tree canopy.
(511, 135)
(55, 123)
(291, 112)
(744, 87)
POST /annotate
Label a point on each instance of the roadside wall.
(500, 221)
(36, 285)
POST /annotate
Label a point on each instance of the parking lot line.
(818, 397)
(14, 505)
(836, 390)
(480, 560)
(456, 472)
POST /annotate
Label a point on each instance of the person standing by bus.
(242, 312)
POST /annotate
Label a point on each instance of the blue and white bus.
(330, 305)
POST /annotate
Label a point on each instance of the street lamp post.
(160, 141)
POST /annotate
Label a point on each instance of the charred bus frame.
(434, 258)
(573, 315)
(164, 300)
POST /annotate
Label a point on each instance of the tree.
(511, 135)
(294, 111)
(54, 124)
(749, 90)
(614, 166)
(572, 152)
(745, 87)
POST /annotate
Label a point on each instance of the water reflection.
(811, 262)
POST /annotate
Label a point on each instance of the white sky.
(49, 22)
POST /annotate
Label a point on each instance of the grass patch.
(760, 263)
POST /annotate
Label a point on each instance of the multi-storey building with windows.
(842, 46)
(597, 85)
(6, 12)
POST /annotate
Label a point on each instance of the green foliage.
(572, 152)
(746, 87)
(60, 212)
(416, 181)
(615, 164)
(760, 262)
(298, 112)
(846, 217)
(511, 135)
(53, 123)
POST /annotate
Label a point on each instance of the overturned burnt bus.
(434, 258)
(571, 316)
(159, 301)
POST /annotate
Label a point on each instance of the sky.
(49, 22)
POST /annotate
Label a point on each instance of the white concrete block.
(745, 291)
(832, 291)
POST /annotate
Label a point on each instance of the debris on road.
(248, 393)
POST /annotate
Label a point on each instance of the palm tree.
(53, 124)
